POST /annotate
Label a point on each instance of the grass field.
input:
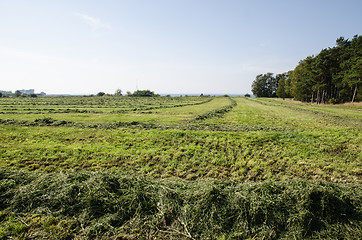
(179, 168)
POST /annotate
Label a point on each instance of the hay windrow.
(109, 205)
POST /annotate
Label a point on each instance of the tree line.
(18, 93)
(138, 93)
(333, 76)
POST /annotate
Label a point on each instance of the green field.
(179, 168)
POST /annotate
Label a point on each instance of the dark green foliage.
(17, 93)
(333, 76)
(265, 85)
(143, 93)
(101, 205)
(283, 90)
(100, 94)
(118, 93)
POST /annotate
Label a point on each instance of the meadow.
(179, 168)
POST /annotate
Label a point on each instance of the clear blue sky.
(167, 46)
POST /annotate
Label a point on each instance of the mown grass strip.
(319, 113)
(217, 113)
(108, 205)
(192, 125)
(148, 104)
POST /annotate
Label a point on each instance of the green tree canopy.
(334, 75)
(118, 93)
(17, 93)
(283, 85)
(265, 85)
(143, 93)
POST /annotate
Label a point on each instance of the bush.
(332, 101)
(143, 93)
(17, 93)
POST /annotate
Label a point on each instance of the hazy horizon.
(125, 93)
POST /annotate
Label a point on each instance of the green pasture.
(92, 104)
(179, 168)
(180, 111)
(221, 138)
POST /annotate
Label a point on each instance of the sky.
(166, 46)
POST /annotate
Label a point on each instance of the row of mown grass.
(187, 154)
(109, 205)
(74, 102)
(299, 116)
(176, 113)
(92, 109)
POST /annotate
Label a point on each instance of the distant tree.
(118, 93)
(265, 85)
(258, 86)
(17, 93)
(281, 89)
(303, 80)
(33, 95)
(143, 93)
(288, 85)
(1, 95)
(247, 95)
(283, 81)
(100, 94)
